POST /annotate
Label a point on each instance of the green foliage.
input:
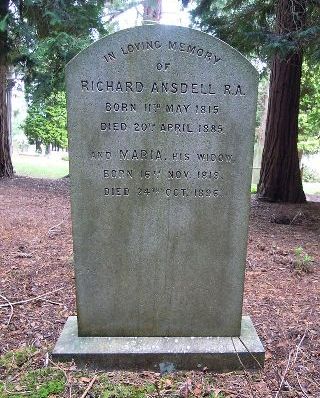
(59, 30)
(45, 71)
(309, 116)
(106, 389)
(44, 382)
(249, 25)
(39, 383)
(14, 359)
(42, 36)
(3, 23)
(302, 262)
(46, 121)
(310, 175)
(125, 391)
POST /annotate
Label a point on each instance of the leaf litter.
(36, 268)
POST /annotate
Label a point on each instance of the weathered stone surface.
(161, 122)
(161, 353)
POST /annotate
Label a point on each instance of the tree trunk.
(280, 178)
(6, 169)
(38, 146)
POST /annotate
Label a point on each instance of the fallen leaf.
(85, 379)
(185, 389)
(197, 391)
(268, 355)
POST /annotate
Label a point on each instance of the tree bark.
(280, 178)
(6, 169)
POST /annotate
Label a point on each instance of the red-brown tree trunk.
(280, 178)
(6, 169)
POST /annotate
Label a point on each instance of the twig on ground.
(51, 229)
(312, 381)
(295, 360)
(46, 360)
(299, 345)
(284, 375)
(9, 305)
(51, 302)
(277, 376)
(14, 392)
(255, 359)
(235, 394)
(89, 386)
(244, 369)
(301, 388)
(156, 384)
(297, 215)
(258, 363)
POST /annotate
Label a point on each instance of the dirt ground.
(282, 295)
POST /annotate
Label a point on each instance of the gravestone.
(161, 128)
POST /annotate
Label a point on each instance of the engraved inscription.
(163, 192)
(161, 87)
(164, 117)
(120, 107)
(153, 45)
(194, 50)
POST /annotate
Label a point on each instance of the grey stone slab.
(161, 353)
(161, 127)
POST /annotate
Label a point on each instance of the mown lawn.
(40, 166)
(311, 188)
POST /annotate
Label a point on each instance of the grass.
(40, 166)
(23, 375)
(253, 188)
(14, 359)
(39, 383)
(310, 188)
(35, 383)
(109, 390)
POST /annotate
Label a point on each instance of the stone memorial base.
(162, 354)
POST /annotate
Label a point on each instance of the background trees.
(60, 29)
(46, 122)
(38, 37)
(309, 115)
(69, 27)
(278, 33)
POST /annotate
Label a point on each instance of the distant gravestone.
(161, 124)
